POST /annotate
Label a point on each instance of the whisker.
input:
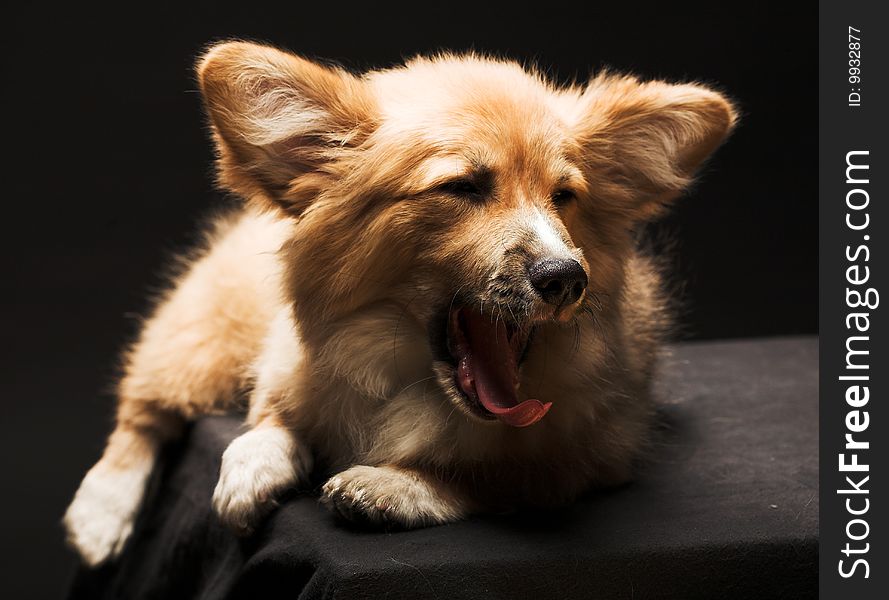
(509, 308)
(454, 297)
(576, 346)
(395, 334)
(407, 387)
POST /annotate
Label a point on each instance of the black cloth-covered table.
(726, 507)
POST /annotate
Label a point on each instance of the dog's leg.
(271, 457)
(393, 496)
(256, 468)
(191, 359)
(101, 517)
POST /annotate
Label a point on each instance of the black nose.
(559, 281)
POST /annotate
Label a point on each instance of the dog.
(433, 290)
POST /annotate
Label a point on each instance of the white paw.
(101, 516)
(256, 467)
(389, 496)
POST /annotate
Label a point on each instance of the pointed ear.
(643, 142)
(279, 120)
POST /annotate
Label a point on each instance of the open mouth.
(486, 354)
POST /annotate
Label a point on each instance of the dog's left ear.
(280, 121)
(643, 142)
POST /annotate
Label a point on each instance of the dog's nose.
(559, 281)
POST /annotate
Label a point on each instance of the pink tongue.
(490, 367)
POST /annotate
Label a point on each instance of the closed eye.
(462, 188)
(563, 197)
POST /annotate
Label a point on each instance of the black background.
(107, 169)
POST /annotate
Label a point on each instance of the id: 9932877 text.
(855, 66)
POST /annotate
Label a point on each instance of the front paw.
(256, 468)
(390, 497)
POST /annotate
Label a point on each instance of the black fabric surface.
(725, 507)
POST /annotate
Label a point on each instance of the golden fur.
(321, 295)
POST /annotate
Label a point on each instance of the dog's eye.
(563, 197)
(465, 188)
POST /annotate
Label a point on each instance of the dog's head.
(473, 198)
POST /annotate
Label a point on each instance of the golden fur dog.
(433, 289)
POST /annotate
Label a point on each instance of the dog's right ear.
(279, 120)
(644, 141)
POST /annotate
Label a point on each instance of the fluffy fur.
(373, 205)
